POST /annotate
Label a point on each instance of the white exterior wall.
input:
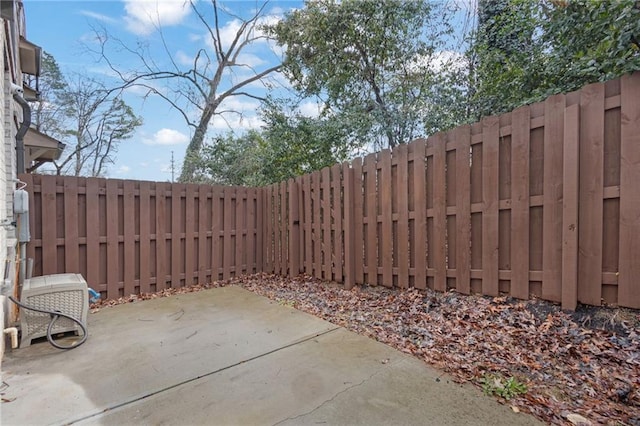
(8, 129)
(5, 162)
(5, 167)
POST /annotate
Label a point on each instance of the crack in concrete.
(193, 379)
(330, 399)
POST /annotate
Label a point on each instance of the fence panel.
(541, 201)
(190, 252)
(349, 227)
(71, 248)
(439, 246)
(129, 237)
(129, 233)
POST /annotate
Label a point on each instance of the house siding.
(12, 115)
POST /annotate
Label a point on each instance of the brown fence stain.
(543, 201)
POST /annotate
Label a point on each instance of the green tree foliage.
(288, 145)
(591, 40)
(508, 55)
(370, 60)
(48, 116)
(294, 144)
(230, 160)
(379, 68)
(525, 50)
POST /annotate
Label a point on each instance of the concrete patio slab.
(228, 356)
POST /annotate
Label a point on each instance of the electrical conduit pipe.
(13, 332)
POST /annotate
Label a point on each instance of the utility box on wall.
(66, 293)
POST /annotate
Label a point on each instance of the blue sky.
(65, 30)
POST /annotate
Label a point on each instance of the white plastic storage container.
(66, 293)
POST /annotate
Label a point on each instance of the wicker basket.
(66, 293)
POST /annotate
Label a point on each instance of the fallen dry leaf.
(578, 420)
(566, 366)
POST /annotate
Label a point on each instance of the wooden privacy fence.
(541, 201)
(129, 237)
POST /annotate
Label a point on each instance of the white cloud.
(310, 108)
(166, 137)
(98, 16)
(123, 170)
(183, 59)
(240, 104)
(444, 59)
(250, 60)
(144, 16)
(235, 122)
(137, 90)
(438, 62)
(276, 11)
(229, 31)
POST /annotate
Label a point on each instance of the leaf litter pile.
(580, 368)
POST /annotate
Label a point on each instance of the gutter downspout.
(24, 126)
(22, 219)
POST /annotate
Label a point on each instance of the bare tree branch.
(201, 87)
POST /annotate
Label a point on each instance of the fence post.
(261, 226)
(629, 269)
(571, 180)
(349, 228)
(294, 228)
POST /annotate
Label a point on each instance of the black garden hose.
(55, 315)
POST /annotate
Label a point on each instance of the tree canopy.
(525, 51)
(371, 60)
(217, 73)
(380, 69)
(89, 117)
(384, 73)
(288, 145)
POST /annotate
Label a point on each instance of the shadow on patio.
(228, 356)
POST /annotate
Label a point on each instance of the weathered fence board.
(629, 267)
(541, 201)
(520, 202)
(591, 193)
(128, 237)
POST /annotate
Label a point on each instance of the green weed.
(495, 384)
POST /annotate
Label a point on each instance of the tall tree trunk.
(193, 150)
(78, 165)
